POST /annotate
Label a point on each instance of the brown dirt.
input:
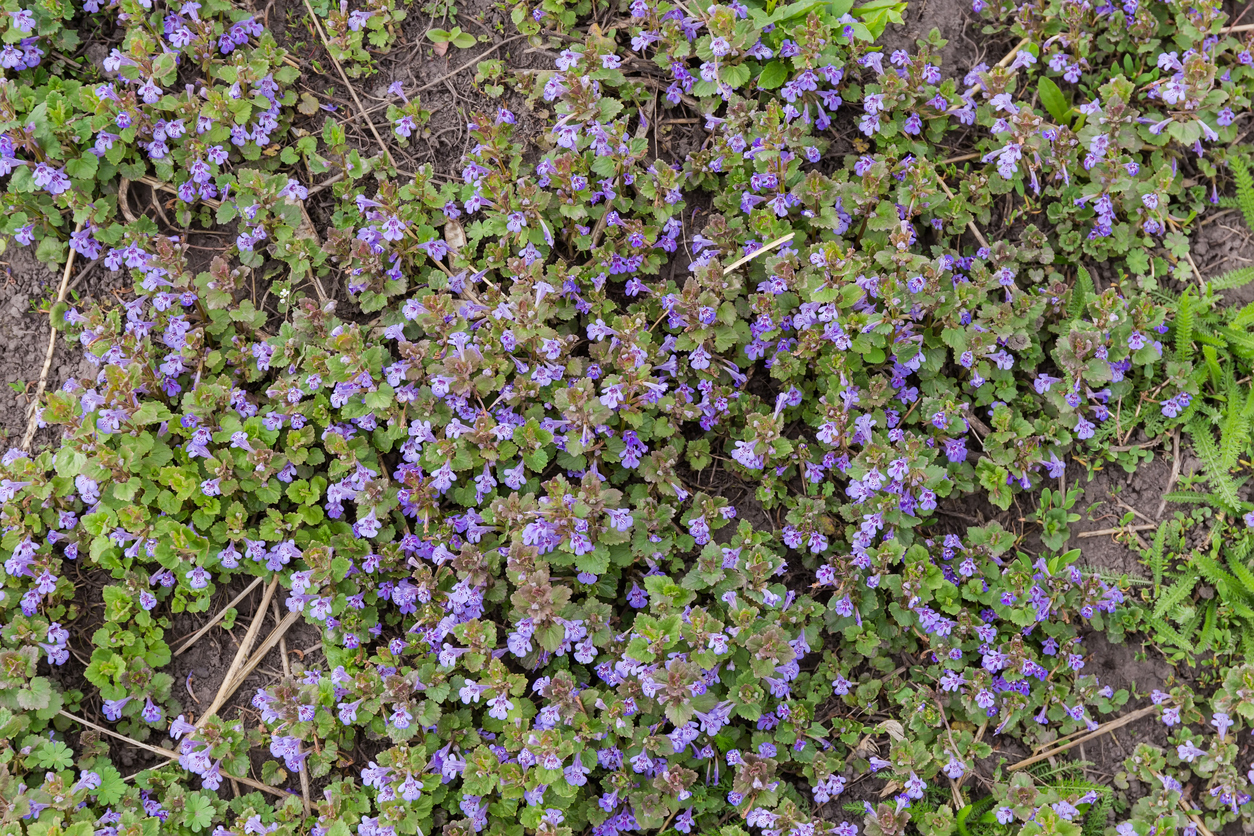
(1104, 504)
(1222, 245)
(956, 23)
(25, 290)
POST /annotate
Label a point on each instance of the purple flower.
(151, 712)
(637, 597)
(113, 709)
(197, 578)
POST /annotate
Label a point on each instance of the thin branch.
(221, 613)
(962, 158)
(165, 753)
(1206, 831)
(352, 91)
(83, 274)
(757, 252)
(287, 673)
(1175, 471)
(235, 678)
(266, 647)
(156, 750)
(1102, 532)
(1128, 507)
(1124, 448)
(1104, 728)
(975, 230)
(225, 691)
(326, 184)
(1005, 61)
(33, 422)
(156, 184)
(468, 64)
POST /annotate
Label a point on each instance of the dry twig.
(266, 647)
(225, 690)
(1104, 728)
(757, 252)
(1125, 506)
(1004, 62)
(157, 185)
(468, 64)
(1101, 532)
(352, 91)
(33, 421)
(1175, 471)
(165, 753)
(221, 613)
(287, 673)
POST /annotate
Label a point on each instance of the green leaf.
(37, 695)
(736, 75)
(1054, 100)
(793, 11)
(84, 168)
(53, 754)
(150, 412)
(69, 462)
(597, 561)
(550, 636)
(773, 75)
(537, 460)
(308, 105)
(199, 812)
(112, 787)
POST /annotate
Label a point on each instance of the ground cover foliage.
(612, 520)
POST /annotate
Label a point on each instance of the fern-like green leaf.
(1241, 571)
(1245, 188)
(1213, 461)
(1236, 429)
(1191, 498)
(1174, 594)
(1208, 628)
(1184, 327)
(1206, 338)
(1095, 820)
(1224, 583)
(1241, 343)
(1239, 607)
(1211, 355)
(1233, 279)
(1243, 317)
(1179, 638)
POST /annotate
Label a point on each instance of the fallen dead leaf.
(454, 235)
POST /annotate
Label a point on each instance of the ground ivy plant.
(614, 479)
